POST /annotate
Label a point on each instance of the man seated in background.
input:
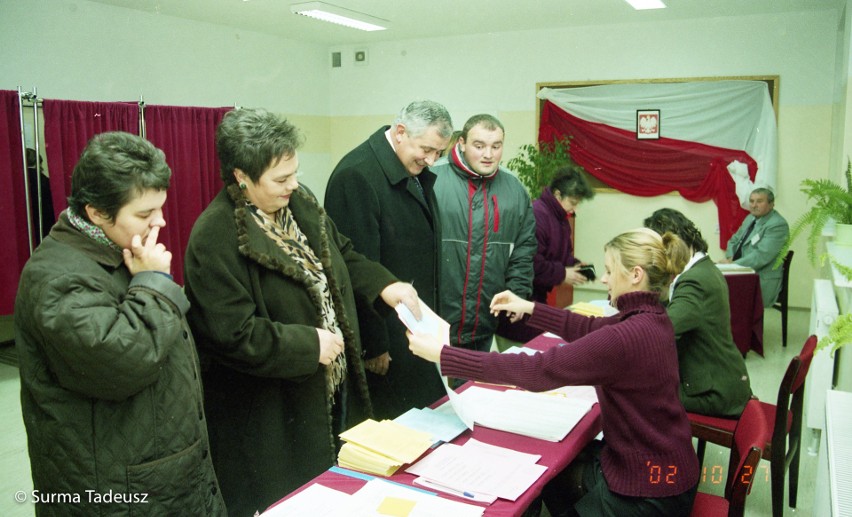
(758, 242)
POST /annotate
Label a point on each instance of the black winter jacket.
(110, 386)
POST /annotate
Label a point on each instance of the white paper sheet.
(478, 469)
(316, 500)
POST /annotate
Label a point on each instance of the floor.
(766, 373)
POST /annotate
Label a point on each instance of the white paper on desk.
(578, 393)
(472, 496)
(479, 470)
(733, 269)
(521, 350)
(456, 403)
(377, 496)
(315, 500)
(539, 415)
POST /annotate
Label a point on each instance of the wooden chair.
(749, 438)
(781, 303)
(784, 418)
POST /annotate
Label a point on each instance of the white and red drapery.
(717, 139)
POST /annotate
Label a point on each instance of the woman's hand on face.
(330, 344)
(148, 256)
(378, 365)
(514, 306)
(402, 292)
(426, 346)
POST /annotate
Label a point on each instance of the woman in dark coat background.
(554, 262)
(272, 286)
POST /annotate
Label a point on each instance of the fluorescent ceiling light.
(646, 4)
(332, 13)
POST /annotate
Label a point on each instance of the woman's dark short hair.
(114, 168)
(571, 183)
(253, 140)
(670, 220)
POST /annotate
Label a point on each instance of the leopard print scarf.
(285, 232)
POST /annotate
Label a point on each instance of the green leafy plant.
(839, 334)
(536, 166)
(832, 201)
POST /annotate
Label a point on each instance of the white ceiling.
(412, 19)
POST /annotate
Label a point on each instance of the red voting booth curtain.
(187, 136)
(652, 167)
(15, 250)
(68, 127)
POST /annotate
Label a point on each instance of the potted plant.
(536, 166)
(839, 333)
(832, 201)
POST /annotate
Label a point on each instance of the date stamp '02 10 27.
(714, 474)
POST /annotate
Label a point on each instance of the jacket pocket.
(174, 484)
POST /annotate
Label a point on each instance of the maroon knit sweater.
(631, 360)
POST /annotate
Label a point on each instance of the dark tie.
(739, 252)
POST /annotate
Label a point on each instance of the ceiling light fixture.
(333, 14)
(640, 5)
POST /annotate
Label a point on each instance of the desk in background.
(746, 311)
(556, 456)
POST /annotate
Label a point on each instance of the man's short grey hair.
(419, 116)
(770, 196)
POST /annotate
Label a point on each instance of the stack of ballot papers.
(377, 497)
(381, 447)
(478, 471)
(547, 416)
(596, 308)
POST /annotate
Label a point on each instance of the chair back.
(794, 377)
(785, 272)
(785, 278)
(749, 438)
(791, 399)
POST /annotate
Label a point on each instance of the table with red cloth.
(555, 455)
(746, 311)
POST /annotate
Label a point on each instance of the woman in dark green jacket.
(110, 390)
(713, 376)
(273, 286)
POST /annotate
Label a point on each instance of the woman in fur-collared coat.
(272, 287)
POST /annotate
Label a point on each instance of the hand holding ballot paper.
(430, 325)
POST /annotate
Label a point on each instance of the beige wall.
(75, 49)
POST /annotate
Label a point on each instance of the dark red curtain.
(187, 136)
(68, 127)
(652, 167)
(13, 203)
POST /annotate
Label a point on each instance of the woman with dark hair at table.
(646, 464)
(273, 287)
(713, 376)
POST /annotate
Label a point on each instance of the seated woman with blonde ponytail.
(631, 360)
